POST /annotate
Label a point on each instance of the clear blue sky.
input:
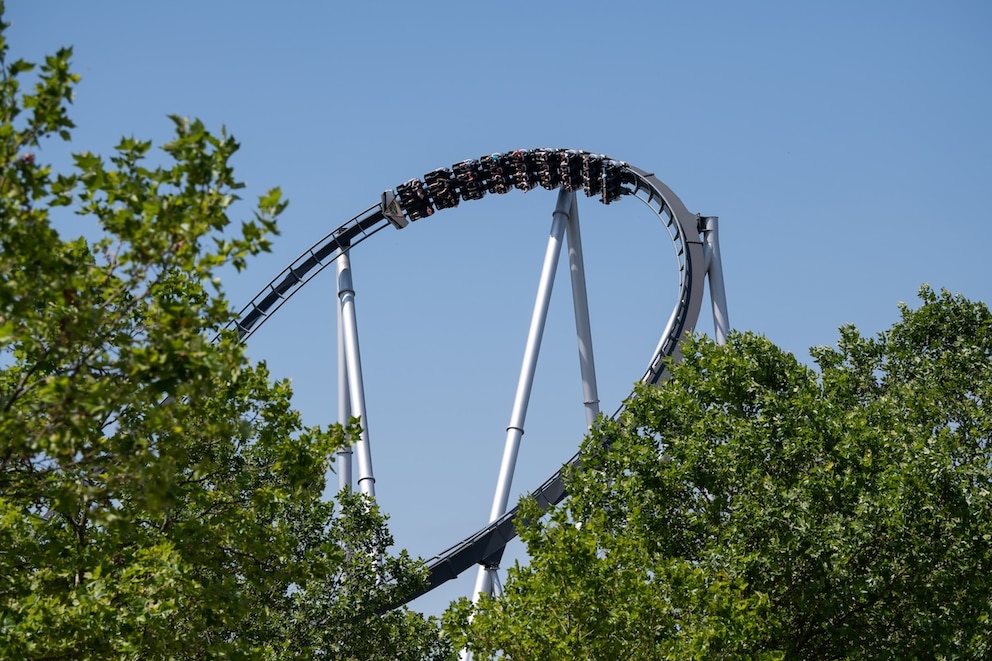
(846, 147)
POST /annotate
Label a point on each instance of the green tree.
(753, 507)
(159, 497)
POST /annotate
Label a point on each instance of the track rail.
(595, 175)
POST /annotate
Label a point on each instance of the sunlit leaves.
(752, 507)
(159, 496)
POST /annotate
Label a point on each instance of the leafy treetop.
(159, 497)
(753, 507)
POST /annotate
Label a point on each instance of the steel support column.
(709, 226)
(580, 302)
(353, 361)
(515, 430)
(344, 394)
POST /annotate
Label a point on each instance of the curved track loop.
(525, 169)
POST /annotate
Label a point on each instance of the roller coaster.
(696, 247)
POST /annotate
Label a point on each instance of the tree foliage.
(754, 507)
(159, 497)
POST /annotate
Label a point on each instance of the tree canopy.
(755, 507)
(159, 496)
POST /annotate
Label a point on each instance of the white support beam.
(344, 395)
(583, 328)
(525, 383)
(353, 360)
(714, 273)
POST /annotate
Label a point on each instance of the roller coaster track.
(571, 170)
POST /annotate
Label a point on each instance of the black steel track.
(595, 175)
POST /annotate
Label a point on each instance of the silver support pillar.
(580, 303)
(497, 586)
(353, 362)
(515, 430)
(344, 395)
(709, 225)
